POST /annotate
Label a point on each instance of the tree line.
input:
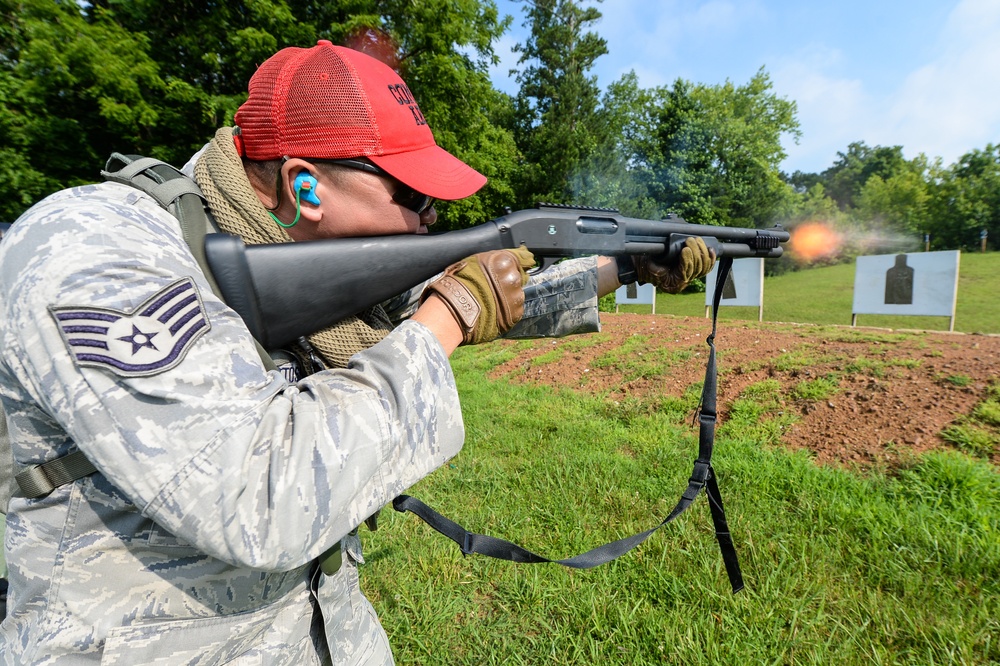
(79, 80)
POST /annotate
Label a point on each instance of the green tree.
(206, 53)
(73, 90)
(815, 206)
(608, 178)
(446, 49)
(802, 181)
(966, 200)
(715, 151)
(556, 124)
(852, 169)
(79, 80)
(899, 202)
(443, 49)
(20, 182)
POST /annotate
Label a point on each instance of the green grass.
(879, 368)
(826, 295)
(816, 389)
(567, 346)
(841, 567)
(641, 356)
(958, 380)
(977, 434)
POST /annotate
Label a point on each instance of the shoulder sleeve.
(560, 301)
(557, 302)
(110, 327)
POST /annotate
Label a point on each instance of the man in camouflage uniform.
(220, 484)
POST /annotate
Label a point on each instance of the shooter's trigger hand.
(485, 292)
(694, 261)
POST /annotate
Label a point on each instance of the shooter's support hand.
(694, 261)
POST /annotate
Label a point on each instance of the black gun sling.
(702, 477)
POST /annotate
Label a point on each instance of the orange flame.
(814, 240)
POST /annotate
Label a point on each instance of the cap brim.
(432, 171)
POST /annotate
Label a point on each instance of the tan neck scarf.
(237, 210)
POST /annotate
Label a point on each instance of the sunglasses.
(405, 196)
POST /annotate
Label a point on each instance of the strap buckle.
(34, 482)
(40, 480)
(702, 471)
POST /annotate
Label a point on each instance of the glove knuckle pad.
(504, 272)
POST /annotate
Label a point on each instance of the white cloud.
(657, 43)
(715, 17)
(944, 107)
(832, 112)
(951, 104)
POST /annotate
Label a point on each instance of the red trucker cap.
(332, 102)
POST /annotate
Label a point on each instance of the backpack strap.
(40, 480)
(176, 193)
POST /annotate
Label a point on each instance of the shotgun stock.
(287, 290)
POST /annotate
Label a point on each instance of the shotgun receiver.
(286, 290)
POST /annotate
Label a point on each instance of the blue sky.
(923, 74)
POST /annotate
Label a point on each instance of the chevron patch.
(151, 339)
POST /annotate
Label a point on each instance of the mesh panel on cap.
(255, 117)
(307, 103)
(326, 113)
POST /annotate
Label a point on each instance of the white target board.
(744, 286)
(918, 283)
(635, 294)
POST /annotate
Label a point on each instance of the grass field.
(825, 296)
(842, 567)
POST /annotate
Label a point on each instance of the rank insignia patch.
(152, 338)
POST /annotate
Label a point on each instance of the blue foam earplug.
(305, 188)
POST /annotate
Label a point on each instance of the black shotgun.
(286, 290)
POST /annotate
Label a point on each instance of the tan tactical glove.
(485, 292)
(694, 261)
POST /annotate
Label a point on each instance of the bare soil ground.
(896, 390)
